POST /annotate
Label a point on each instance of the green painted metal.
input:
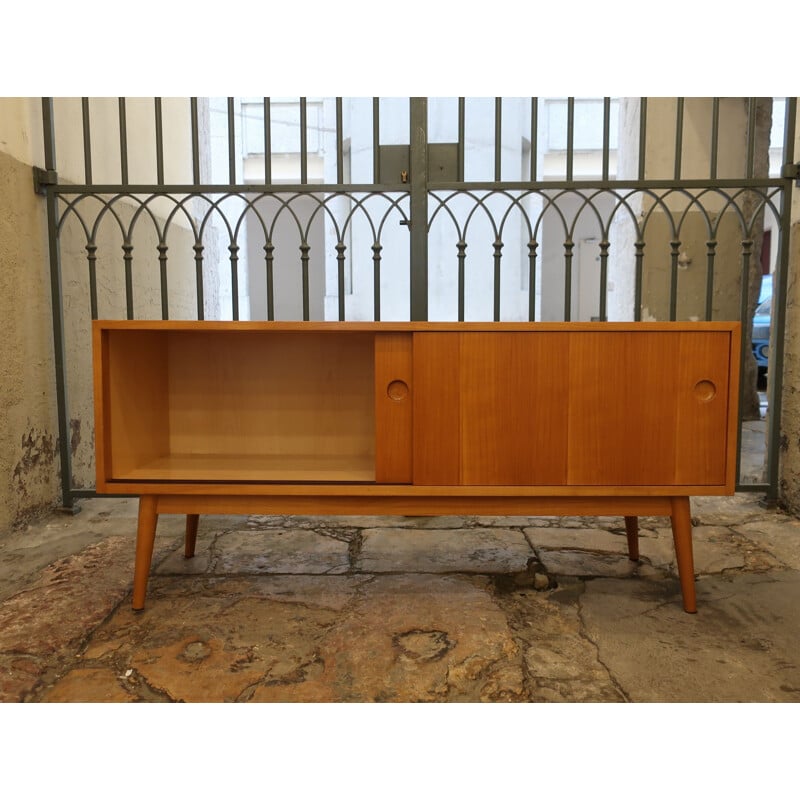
(419, 207)
(123, 141)
(56, 299)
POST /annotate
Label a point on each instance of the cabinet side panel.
(513, 408)
(702, 384)
(733, 407)
(393, 408)
(623, 407)
(102, 427)
(136, 415)
(435, 402)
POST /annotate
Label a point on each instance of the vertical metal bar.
(195, 142)
(56, 299)
(642, 136)
(678, 137)
(747, 249)
(269, 249)
(534, 136)
(603, 310)
(159, 142)
(498, 247)
(532, 247)
(568, 247)
(127, 260)
(714, 138)
(267, 142)
(340, 250)
(461, 247)
(304, 248)
(87, 141)
(162, 264)
(639, 271)
(231, 143)
(498, 137)
(675, 247)
(780, 288)
(376, 281)
(711, 248)
(751, 137)
(570, 135)
(339, 143)
(91, 254)
(123, 141)
(419, 207)
(462, 115)
(606, 139)
(303, 141)
(376, 137)
(234, 251)
(198, 268)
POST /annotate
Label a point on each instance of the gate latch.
(791, 171)
(43, 178)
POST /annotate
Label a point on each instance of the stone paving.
(401, 609)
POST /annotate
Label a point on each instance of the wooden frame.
(416, 418)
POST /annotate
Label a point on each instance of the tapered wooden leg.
(632, 530)
(192, 521)
(682, 534)
(145, 539)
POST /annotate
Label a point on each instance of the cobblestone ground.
(398, 609)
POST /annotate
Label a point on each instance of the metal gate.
(415, 208)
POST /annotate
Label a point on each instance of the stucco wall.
(29, 471)
(789, 481)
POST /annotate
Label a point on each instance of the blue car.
(761, 322)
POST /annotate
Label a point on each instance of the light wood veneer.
(416, 418)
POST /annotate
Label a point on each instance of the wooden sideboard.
(624, 419)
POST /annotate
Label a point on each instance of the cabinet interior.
(240, 406)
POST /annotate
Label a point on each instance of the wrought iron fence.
(503, 220)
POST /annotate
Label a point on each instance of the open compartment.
(238, 405)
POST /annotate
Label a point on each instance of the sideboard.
(416, 418)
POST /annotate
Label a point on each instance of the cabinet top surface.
(209, 325)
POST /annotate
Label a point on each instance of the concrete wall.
(28, 421)
(789, 481)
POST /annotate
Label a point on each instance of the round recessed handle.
(705, 391)
(397, 390)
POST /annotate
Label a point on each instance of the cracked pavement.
(401, 609)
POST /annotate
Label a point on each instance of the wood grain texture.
(701, 398)
(137, 428)
(394, 388)
(561, 408)
(423, 505)
(102, 411)
(513, 414)
(266, 467)
(437, 369)
(636, 414)
(260, 394)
